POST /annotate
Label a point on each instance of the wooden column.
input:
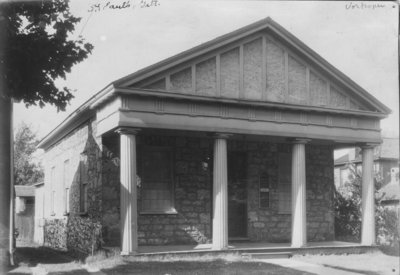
(220, 194)
(368, 196)
(299, 223)
(128, 200)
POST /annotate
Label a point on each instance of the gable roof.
(24, 191)
(264, 24)
(86, 110)
(342, 160)
(390, 191)
(389, 149)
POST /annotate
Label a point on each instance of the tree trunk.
(5, 176)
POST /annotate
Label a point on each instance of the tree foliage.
(348, 218)
(347, 205)
(26, 170)
(38, 50)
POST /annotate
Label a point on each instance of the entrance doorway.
(237, 195)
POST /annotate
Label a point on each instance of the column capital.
(222, 135)
(127, 131)
(300, 140)
(368, 145)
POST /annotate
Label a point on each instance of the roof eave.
(320, 61)
(85, 111)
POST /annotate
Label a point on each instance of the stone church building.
(229, 141)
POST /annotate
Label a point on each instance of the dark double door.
(237, 195)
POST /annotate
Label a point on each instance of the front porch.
(224, 187)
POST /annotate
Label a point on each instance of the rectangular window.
(66, 184)
(285, 183)
(156, 181)
(344, 177)
(67, 198)
(264, 191)
(52, 190)
(53, 201)
(83, 184)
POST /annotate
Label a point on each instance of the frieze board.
(254, 113)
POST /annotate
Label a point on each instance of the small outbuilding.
(24, 213)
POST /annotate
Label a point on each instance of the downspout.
(12, 199)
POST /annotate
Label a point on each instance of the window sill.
(170, 212)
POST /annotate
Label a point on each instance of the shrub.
(347, 205)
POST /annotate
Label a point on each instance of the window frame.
(83, 185)
(140, 167)
(66, 186)
(268, 191)
(52, 190)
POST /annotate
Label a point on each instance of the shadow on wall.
(80, 230)
(93, 198)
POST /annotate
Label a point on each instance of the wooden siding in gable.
(256, 68)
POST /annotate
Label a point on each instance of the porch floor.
(242, 247)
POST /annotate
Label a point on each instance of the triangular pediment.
(260, 62)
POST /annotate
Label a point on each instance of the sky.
(358, 38)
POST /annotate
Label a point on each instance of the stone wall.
(268, 224)
(265, 224)
(320, 192)
(192, 191)
(192, 185)
(77, 229)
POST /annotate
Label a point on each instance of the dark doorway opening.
(237, 195)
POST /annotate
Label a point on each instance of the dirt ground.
(41, 261)
(370, 263)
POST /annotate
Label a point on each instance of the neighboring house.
(24, 213)
(390, 193)
(207, 147)
(386, 158)
(38, 237)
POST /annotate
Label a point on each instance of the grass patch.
(214, 267)
(227, 263)
(106, 260)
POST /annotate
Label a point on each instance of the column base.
(219, 248)
(133, 253)
(298, 245)
(368, 243)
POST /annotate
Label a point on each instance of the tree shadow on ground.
(390, 250)
(216, 267)
(30, 257)
(44, 255)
